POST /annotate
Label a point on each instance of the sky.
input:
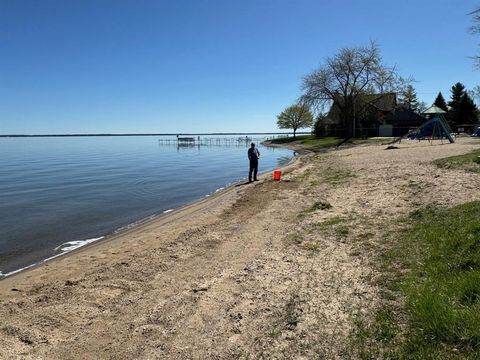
(197, 66)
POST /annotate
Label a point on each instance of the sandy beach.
(269, 270)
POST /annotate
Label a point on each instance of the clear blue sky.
(90, 66)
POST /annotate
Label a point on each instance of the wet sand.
(266, 270)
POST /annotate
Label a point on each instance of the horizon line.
(153, 134)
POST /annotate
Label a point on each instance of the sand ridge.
(270, 270)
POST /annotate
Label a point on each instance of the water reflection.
(284, 160)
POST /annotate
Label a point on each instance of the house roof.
(383, 102)
(403, 114)
(328, 121)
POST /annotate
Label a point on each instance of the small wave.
(134, 224)
(64, 248)
(167, 211)
(145, 188)
(72, 245)
(2, 275)
(219, 189)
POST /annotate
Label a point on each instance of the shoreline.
(257, 271)
(149, 220)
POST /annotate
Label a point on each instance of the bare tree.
(421, 107)
(352, 79)
(475, 93)
(475, 28)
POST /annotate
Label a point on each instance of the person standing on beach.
(253, 156)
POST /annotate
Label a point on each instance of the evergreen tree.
(455, 116)
(409, 98)
(457, 93)
(468, 110)
(440, 102)
(462, 107)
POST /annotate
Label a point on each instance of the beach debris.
(23, 336)
(321, 205)
(236, 317)
(195, 290)
(41, 299)
(391, 147)
(71, 282)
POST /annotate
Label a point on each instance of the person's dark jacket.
(253, 154)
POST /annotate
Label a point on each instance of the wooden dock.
(211, 141)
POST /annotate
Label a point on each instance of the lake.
(59, 193)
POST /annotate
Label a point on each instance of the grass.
(294, 239)
(339, 227)
(317, 205)
(335, 176)
(443, 290)
(312, 246)
(309, 141)
(330, 222)
(468, 162)
(290, 317)
(321, 171)
(293, 312)
(433, 273)
(313, 143)
(320, 205)
(342, 231)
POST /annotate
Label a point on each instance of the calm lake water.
(60, 193)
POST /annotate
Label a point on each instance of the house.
(378, 115)
(402, 119)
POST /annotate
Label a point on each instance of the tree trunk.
(294, 131)
(347, 121)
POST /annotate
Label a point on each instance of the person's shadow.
(243, 183)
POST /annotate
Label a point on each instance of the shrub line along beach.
(325, 263)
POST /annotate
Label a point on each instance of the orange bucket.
(277, 174)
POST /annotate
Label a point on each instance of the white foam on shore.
(54, 256)
(2, 275)
(64, 248)
(167, 211)
(72, 245)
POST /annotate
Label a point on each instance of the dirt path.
(274, 270)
